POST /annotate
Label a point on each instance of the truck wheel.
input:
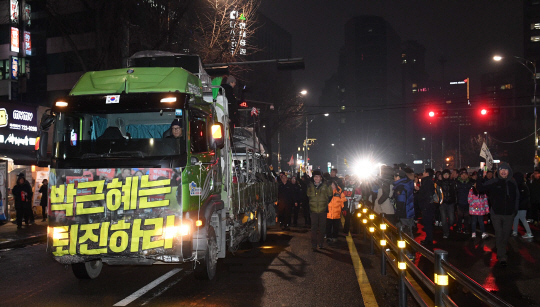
(206, 269)
(263, 230)
(87, 270)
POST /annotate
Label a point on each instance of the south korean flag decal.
(112, 99)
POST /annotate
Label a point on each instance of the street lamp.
(326, 114)
(303, 92)
(524, 62)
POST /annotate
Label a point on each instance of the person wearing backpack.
(425, 201)
(463, 185)
(403, 196)
(447, 208)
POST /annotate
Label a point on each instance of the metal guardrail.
(442, 268)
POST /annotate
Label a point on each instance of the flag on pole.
(291, 162)
(484, 153)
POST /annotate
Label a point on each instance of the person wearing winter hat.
(504, 194)
(228, 84)
(447, 208)
(176, 129)
(319, 194)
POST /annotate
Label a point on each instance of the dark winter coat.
(462, 188)
(449, 190)
(44, 190)
(232, 103)
(286, 195)
(524, 195)
(403, 195)
(22, 193)
(504, 193)
(534, 189)
(425, 193)
(297, 193)
(319, 197)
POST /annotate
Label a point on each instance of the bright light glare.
(431, 113)
(303, 92)
(497, 58)
(366, 169)
(483, 112)
(326, 114)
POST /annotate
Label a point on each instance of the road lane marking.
(363, 282)
(167, 287)
(147, 288)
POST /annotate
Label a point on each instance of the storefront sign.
(14, 71)
(27, 14)
(14, 11)
(18, 127)
(27, 43)
(14, 39)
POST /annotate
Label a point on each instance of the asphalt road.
(282, 272)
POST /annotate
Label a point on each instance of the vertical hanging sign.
(14, 11)
(14, 39)
(27, 43)
(27, 12)
(238, 35)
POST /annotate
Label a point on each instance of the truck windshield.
(98, 135)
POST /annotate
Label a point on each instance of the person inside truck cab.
(175, 129)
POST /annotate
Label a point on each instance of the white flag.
(484, 153)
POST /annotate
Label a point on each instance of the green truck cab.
(127, 189)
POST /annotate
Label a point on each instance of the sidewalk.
(11, 237)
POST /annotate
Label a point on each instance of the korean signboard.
(27, 13)
(18, 127)
(238, 32)
(14, 39)
(27, 43)
(14, 11)
(14, 68)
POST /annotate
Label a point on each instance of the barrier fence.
(393, 242)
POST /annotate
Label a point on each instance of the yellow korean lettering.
(98, 185)
(73, 233)
(160, 187)
(136, 234)
(104, 234)
(126, 190)
(134, 190)
(61, 207)
(90, 210)
(57, 198)
(89, 235)
(57, 194)
(148, 234)
(71, 192)
(114, 199)
(119, 235)
(169, 225)
(60, 239)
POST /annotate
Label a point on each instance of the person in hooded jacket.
(447, 208)
(335, 207)
(463, 186)
(524, 205)
(504, 195)
(403, 195)
(22, 194)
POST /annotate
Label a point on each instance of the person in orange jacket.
(335, 208)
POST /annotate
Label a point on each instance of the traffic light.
(437, 113)
(243, 104)
(489, 111)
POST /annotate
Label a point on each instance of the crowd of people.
(459, 202)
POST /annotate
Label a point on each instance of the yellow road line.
(363, 282)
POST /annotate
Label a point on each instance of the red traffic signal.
(489, 111)
(243, 104)
(437, 113)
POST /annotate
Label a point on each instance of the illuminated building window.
(414, 85)
(414, 90)
(404, 61)
(535, 26)
(535, 39)
(506, 86)
(403, 55)
(343, 107)
(414, 60)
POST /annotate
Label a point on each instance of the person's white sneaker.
(484, 235)
(473, 235)
(514, 234)
(527, 236)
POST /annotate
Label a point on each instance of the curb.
(25, 241)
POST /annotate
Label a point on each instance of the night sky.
(466, 33)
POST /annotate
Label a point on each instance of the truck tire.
(87, 270)
(206, 268)
(263, 230)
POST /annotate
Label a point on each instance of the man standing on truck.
(319, 195)
(228, 84)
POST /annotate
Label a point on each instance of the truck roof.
(138, 80)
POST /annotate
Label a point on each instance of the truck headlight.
(171, 232)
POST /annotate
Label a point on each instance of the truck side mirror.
(217, 135)
(41, 148)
